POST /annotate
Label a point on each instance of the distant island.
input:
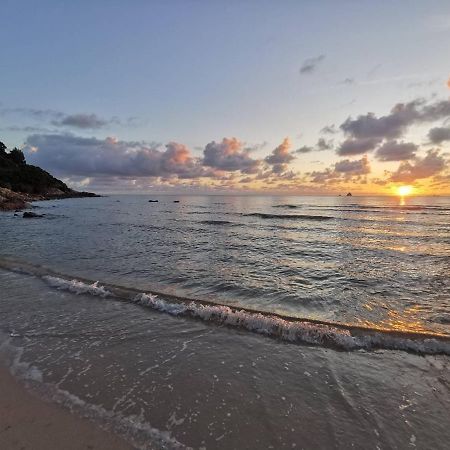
(21, 183)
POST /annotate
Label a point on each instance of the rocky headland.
(22, 183)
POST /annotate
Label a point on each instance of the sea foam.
(287, 329)
(296, 330)
(76, 286)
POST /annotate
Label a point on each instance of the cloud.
(389, 126)
(320, 146)
(323, 176)
(83, 121)
(73, 155)
(329, 129)
(396, 151)
(348, 81)
(435, 111)
(35, 113)
(280, 157)
(344, 170)
(393, 125)
(432, 164)
(358, 146)
(61, 119)
(310, 65)
(229, 155)
(27, 129)
(281, 154)
(348, 167)
(439, 134)
(304, 149)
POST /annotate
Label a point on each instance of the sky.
(295, 97)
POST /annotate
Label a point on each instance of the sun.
(403, 191)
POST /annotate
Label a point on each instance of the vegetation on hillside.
(18, 176)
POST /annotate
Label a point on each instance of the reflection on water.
(355, 260)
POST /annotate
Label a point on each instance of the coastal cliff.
(21, 183)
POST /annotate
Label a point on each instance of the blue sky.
(195, 71)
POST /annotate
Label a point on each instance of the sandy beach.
(27, 422)
(172, 382)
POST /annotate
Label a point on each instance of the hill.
(21, 182)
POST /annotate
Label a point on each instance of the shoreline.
(164, 382)
(28, 422)
(17, 201)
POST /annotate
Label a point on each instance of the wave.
(288, 216)
(76, 286)
(374, 208)
(339, 336)
(291, 329)
(287, 206)
(217, 222)
(385, 220)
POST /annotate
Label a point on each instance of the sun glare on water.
(403, 191)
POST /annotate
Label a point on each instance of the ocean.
(236, 321)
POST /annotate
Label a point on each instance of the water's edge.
(287, 328)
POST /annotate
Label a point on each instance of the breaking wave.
(76, 286)
(288, 216)
(327, 334)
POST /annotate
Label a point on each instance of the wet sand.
(169, 382)
(27, 422)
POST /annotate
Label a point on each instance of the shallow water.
(171, 382)
(359, 260)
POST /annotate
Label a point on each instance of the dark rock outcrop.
(349, 194)
(32, 215)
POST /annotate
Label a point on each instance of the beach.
(28, 422)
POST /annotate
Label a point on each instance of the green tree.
(17, 156)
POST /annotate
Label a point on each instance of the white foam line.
(77, 287)
(294, 331)
(288, 330)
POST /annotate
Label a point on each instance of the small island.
(21, 183)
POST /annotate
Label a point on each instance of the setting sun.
(404, 190)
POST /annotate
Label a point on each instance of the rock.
(12, 201)
(31, 215)
(176, 201)
(153, 201)
(349, 194)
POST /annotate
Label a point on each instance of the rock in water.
(31, 215)
(349, 194)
